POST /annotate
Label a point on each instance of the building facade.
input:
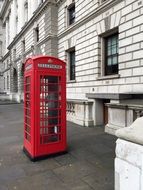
(102, 44)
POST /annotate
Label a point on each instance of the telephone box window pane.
(27, 136)
(28, 128)
(49, 139)
(50, 108)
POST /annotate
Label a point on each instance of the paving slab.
(88, 165)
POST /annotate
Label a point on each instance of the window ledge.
(108, 77)
(71, 81)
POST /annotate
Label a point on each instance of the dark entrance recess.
(105, 111)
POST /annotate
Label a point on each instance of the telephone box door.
(51, 128)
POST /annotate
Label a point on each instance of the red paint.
(44, 106)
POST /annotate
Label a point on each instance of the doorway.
(105, 111)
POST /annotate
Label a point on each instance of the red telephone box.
(44, 107)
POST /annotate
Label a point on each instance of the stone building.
(102, 44)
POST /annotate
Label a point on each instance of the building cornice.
(49, 36)
(31, 21)
(5, 56)
(101, 9)
(5, 70)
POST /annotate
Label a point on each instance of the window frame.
(26, 11)
(103, 38)
(4, 84)
(23, 43)
(7, 82)
(71, 20)
(71, 65)
(37, 36)
(113, 68)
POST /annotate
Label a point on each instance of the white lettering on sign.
(28, 67)
(49, 66)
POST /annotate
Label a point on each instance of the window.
(16, 19)
(7, 82)
(37, 34)
(4, 83)
(23, 45)
(16, 24)
(72, 65)
(26, 11)
(111, 54)
(71, 12)
(8, 30)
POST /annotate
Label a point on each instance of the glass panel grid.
(111, 64)
(50, 109)
(27, 120)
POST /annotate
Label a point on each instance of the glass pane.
(109, 61)
(72, 15)
(115, 68)
(114, 49)
(109, 42)
(114, 40)
(72, 58)
(115, 60)
(109, 51)
(72, 65)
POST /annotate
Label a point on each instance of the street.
(88, 165)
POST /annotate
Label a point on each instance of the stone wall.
(129, 157)
(24, 44)
(86, 34)
(123, 115)
(80, 112)
(93, 21)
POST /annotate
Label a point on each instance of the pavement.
(88, 165)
